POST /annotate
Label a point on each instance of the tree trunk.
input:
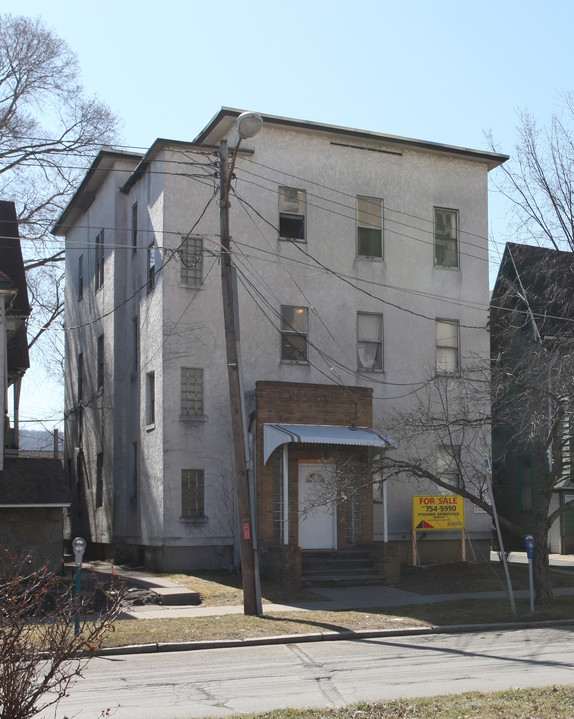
(541, 566)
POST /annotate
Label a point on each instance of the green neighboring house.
(532, 342)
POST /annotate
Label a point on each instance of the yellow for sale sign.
(438, 512)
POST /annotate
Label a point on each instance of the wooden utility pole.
(251, 603)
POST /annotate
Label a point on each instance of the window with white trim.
(190, 254)
(80, 397)
(369, 227)
(447, 346)
(294, 334)
(445, 237)
(369, 341)
(99, 259)
(100, 362)
(448, 464)
(151, 266)
(134, 227)
(192, 493)
(191, 391)
(150, 398)
(99, 479)
(80, 277)
(135, 471)
(80, 377)
(292, 211)
(136, 343)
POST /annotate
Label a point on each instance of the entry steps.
(344, 568)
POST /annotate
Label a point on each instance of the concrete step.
(336, 565)
(176, 596)
(348, 567)
(349, 580)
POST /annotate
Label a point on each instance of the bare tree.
(49, 129)
(539, 180)
(442, 440)
(41, 653)
(525, 394)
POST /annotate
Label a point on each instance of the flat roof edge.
(494, 158)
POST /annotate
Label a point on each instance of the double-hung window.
(99, 479)
(80, 397)
(294, 332)
(150, 399)
(135, 472)
(134, 227)
(80, 377)
(80, 277)
(151, 266)
(369, 341)
(447, 346)
(448, 464)
(100, 362)
(135, 344)
(445, 237)
(99, 259)
(292, 210)
(191, 392)
(369, 227)
(192, 493)
(190, 255)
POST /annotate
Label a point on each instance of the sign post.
(486, 459)
(529, 542)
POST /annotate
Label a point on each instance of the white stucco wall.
(183, 327)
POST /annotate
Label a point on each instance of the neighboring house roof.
(33, 483)
(11, 262)
(540, 279)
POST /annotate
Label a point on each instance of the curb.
(350, 635)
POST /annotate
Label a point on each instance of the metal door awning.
(274, 435)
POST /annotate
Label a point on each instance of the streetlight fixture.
(248, 125)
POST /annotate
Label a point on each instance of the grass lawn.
(547, 703)
(225, 589)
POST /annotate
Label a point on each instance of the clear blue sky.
(430, 69)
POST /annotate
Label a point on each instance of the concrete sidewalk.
(338, 599)
(332, 598)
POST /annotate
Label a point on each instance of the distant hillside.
(34, 440)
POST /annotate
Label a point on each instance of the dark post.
(231, 323)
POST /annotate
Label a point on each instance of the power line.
(345, 279)
(145, 284)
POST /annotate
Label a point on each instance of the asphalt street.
(224, 682)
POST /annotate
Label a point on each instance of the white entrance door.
(317, 527)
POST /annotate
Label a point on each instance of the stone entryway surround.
(306, 404)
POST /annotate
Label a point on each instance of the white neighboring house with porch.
(362, 264)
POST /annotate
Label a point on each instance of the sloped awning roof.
(274, 435)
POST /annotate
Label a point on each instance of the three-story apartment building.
(362, 264)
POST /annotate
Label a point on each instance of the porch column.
(16, 410)
(3, 373)
(285, 458)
